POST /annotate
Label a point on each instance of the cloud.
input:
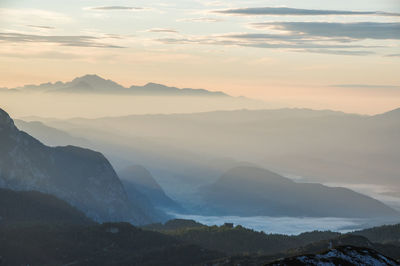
(286, 11)
(273, 42)
(105, 8)
(203, 19)
(162, 30)
(355, 31)
(31, 16)
(80, 41)
(41, 27)
(311, 37)
(392, 55)
(367, 86)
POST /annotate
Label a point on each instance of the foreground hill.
(35, 240)
(106, 244)
(82, 177)
(35, 207)
(39, 229)
(252, 191)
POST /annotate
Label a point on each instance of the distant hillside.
(95, 84)
(139, 178)
(251, 191)
(48, 135)
(237, 240)
(35, 207)
(82, 177)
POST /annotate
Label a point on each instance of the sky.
(323, 54)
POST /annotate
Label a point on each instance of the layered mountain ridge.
(82, 177)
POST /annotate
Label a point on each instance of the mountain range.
(82, 177)
(188, 151)
(317, 145)
(90, 84)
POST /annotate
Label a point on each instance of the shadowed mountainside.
(36, 207)
(82, 177)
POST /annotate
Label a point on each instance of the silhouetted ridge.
(33, 206)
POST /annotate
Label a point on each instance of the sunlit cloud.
(111, 8)
(80, 41)
(41, 27)
(162, 30)
(356, 30)
(202, 19)
(367, 86)
(286, 11)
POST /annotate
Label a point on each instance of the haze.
(340, 55)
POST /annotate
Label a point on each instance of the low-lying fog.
(289, 225)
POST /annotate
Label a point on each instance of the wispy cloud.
(111, 8)
(202, 19)
(162, 30)
(357, 30)
(286, 11)
(312, 37)
(367, 86)
(41, 27)
(273, 42)
(80, 41)
(392, 55)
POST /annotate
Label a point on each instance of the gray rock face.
(82, 177)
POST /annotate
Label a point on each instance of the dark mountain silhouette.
(95, 84)
(251, 191)
(37, 207)
(386, 234)
(40, 229)
(82, 177)
(139, 178)
(100, 244)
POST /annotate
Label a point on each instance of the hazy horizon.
(340, 55)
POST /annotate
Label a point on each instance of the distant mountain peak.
(89, 77)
